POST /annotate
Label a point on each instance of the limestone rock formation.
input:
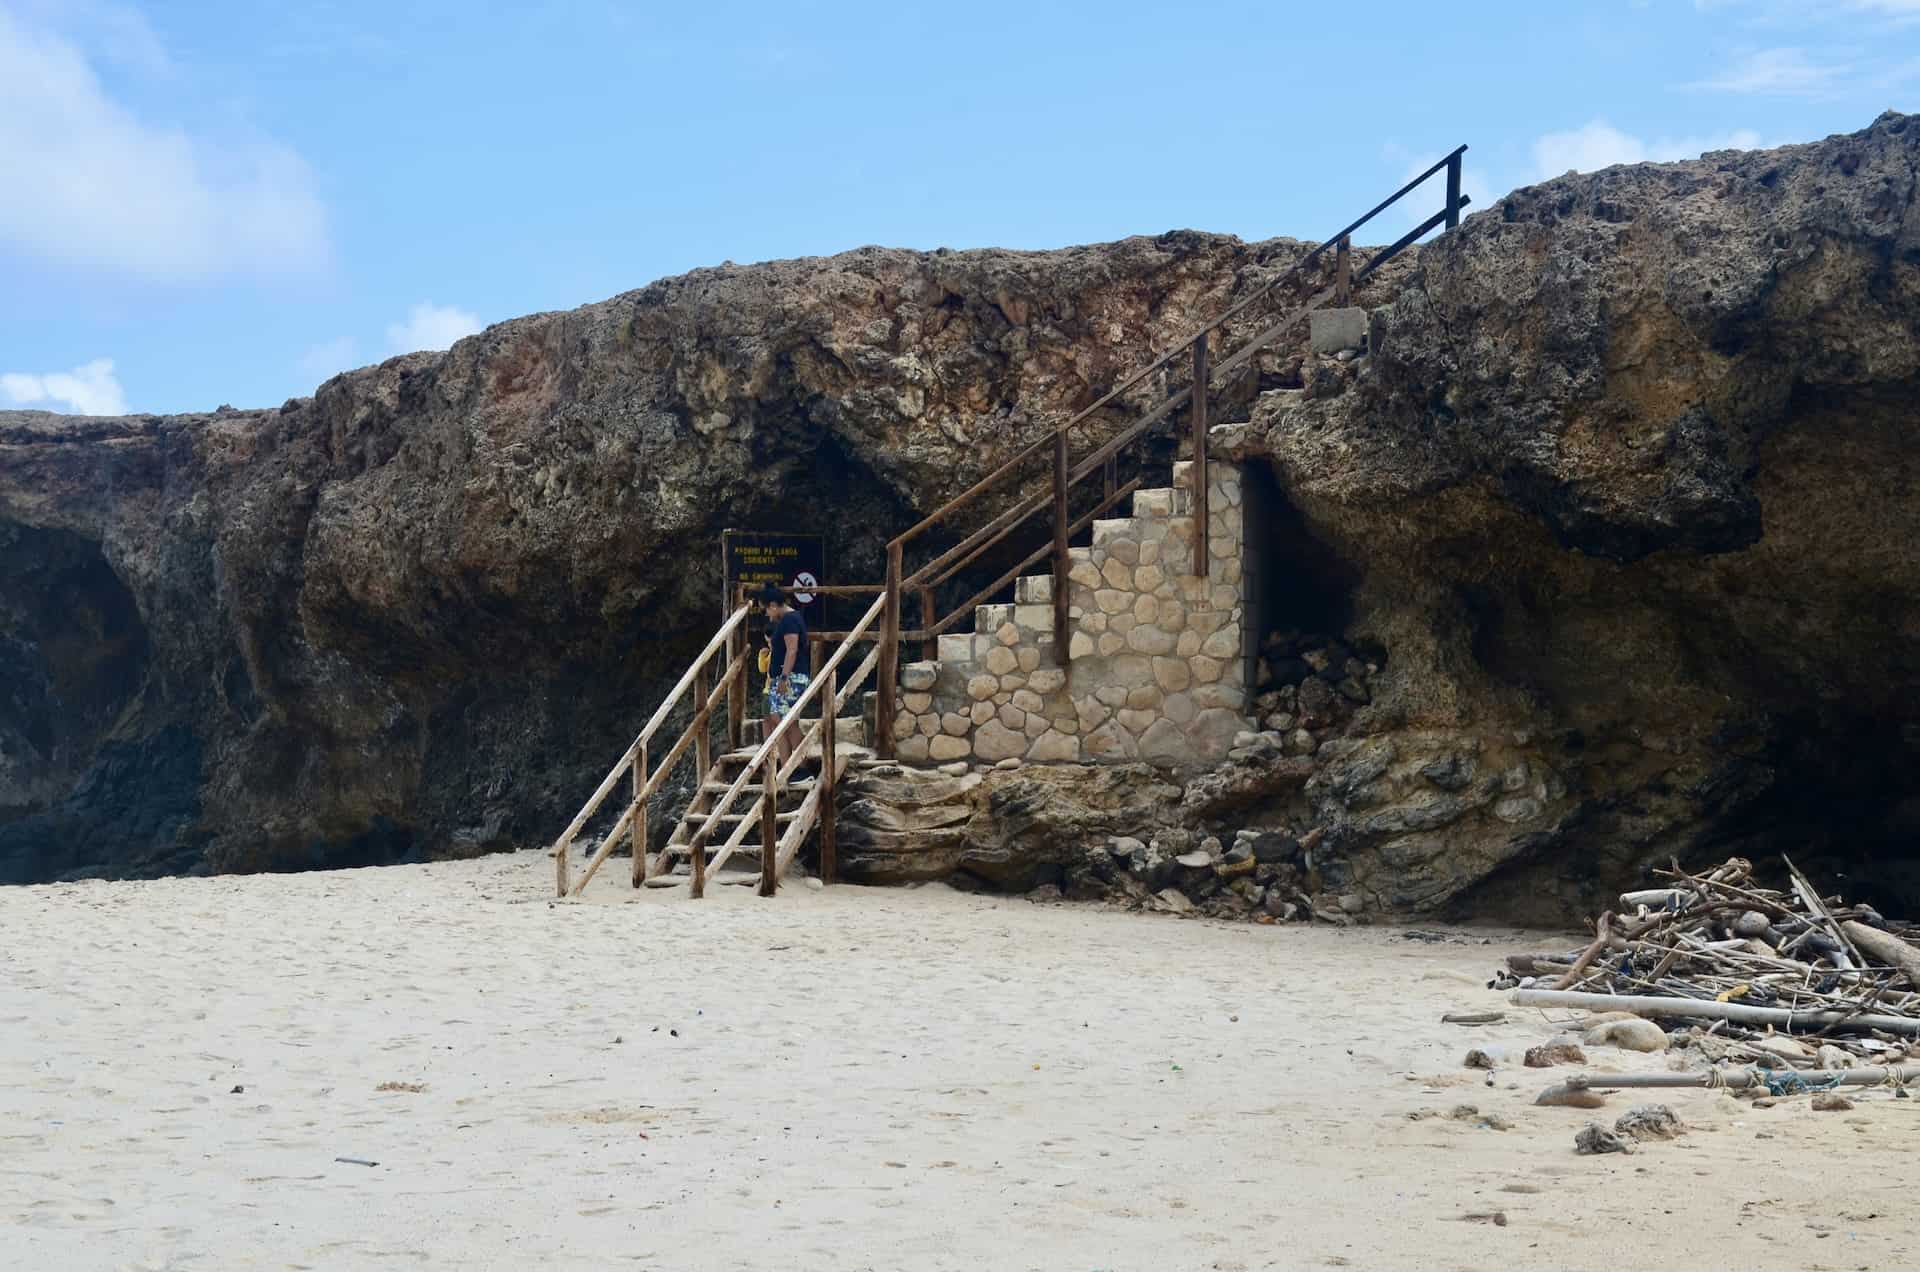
(419, 612)
(1610, 544)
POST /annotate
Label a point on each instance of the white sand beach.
(838, 1079)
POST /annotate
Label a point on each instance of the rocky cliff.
(1618, 521)
(419, 612)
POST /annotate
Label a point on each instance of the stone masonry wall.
(1158, 655)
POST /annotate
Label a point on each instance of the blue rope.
(1788, 1082)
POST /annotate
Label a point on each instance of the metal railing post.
(1453, 190)
(1062, 650)
(1343, 272)
(889, 656)
(1202, 485)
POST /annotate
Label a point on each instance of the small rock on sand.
(1595, 1138)
(1649, 1122)
(1633, 1034)
(1831, 1102)
(1548, 1054)
(1575, 1098)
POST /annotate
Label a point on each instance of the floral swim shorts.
(778, 704)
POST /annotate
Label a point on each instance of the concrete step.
(957, 648)
(988, 619)
(1033, 589)
(1156, 503)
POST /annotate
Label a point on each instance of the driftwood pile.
(1770, 977)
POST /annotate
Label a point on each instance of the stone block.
(1000, 660)
(949, 748)
(988, 619)
(1188, 644)
(956, 725)
(1036, 725)
(1112, 600)
(1125, 551)
(1011, 681)
(1150, 640)
(1029, 656)
(1212, 732)
(1047, 680)
(980, 688)
(1153, 503)
(1205, 670)
(1121, 624)
(1179, 708)
(1111, 643)
(1085, 573)
(980, 713)
(1148, 577)
(904, 724)
(1143, 698)
(1166, 745)
(1013, 717)
(1081, 646)
(928, 724)
(1110, 742)
(913, 750)
(1136, 722)
(1223, 644)
(1227, 571)
(1146, 609)
(1053, 747)
(1224, 596)
(1111, 695)
(1173, 617)
(1107, 529)
(1172, 674)
(1033, 589)
(1094, 623)
(1091, 713)
(1330, 330)
(1228, 697)
(1149, 553)
(919, 677)
(1118, 574)
(1028, 700)
(1065, 723)
(994, 742)
(917, 702)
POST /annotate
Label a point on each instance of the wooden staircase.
(797, 813)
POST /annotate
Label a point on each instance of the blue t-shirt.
(789, 624)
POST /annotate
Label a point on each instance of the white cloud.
(1784, 72)
(1599, 144)
(330, 357)
(115, 192)
(430, 327)
(91, 389)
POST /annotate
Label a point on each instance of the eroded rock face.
(1630, 494)
(420, 612)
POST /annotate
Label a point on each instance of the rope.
(1789, 1082)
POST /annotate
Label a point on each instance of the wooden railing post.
(1343, 272)
(1062, 650)
(560, 869)
(640, 815)
(829, 853)
(1202, 484)
(770, 817)
(736, 690)
(889, 656)
(929, 644)
(1453, 191)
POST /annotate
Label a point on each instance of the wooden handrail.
(698, 838)
(659, 716)
(1450, 215)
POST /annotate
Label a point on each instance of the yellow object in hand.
(766, 660)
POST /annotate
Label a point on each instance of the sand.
(838, 1079)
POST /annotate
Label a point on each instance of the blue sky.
(220, 202)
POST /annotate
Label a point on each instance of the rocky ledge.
(1610, 538)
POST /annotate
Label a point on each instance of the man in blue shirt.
(787, 670)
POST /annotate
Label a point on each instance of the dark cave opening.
(1838, 798)
(1296, 583)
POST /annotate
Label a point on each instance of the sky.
(208, 202)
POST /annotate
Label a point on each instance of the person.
(788, 666)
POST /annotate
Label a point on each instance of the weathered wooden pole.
(889, 656)
(640, 815)
(1202, 484)
(829, 855)
(1062, 649)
